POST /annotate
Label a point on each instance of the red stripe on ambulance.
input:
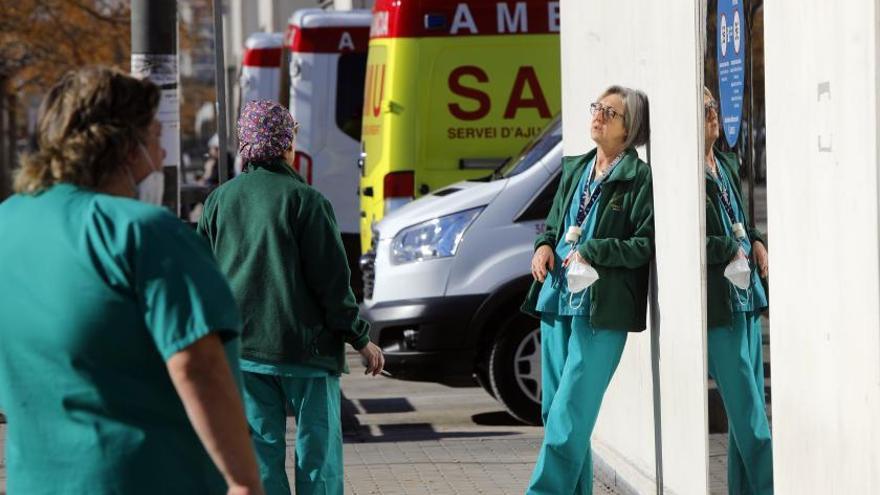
(328, 39)
(433, 18)
(262, 57)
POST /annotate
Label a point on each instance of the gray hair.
(635, 115)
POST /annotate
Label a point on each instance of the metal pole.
(154, 57)
(654, 311)
(220, 81)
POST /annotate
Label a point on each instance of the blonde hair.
(708, 92)
(88, 124)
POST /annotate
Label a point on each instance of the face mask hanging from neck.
(152, 188)
(579, 277)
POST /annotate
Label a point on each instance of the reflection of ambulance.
(327, 65)
(261, 67)
(453, 88)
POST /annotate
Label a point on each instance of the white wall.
(652, 46)
(823, 216)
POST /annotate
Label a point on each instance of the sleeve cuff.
(361, 342)
(586, 253)
(758, 236)
(179, 345)
(360, 334)
(543, 242)
(732, 248)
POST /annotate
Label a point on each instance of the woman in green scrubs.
(275, 238)
(119, 333)
(602, 216)
(735, 354)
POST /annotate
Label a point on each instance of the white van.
(328, 62)
(447, 273)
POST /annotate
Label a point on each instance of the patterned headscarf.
(265, 131)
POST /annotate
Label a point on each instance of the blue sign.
(731, 27)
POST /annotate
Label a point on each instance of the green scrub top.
(753, 298)
(554, 297)
(96, 293)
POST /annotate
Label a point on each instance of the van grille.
(368, 268)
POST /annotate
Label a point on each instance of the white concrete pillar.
(822, 205)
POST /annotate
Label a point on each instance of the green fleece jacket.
(276, 239)
(622, 245)
(721, 247)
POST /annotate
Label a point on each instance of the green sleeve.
(183, 294)
(550, 234)
(636, 250)
(326, 271)
(720, 249)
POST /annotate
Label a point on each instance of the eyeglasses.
(710, 105)
(607, 112)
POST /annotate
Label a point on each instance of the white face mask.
(739, 273)
(579, 277)
(152, 188)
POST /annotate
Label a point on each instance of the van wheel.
(515, 369)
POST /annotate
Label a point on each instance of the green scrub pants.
(578, 362)
(737, 365)
(315, 403)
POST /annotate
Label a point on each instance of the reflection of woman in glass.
(734, 339)
(602, 216)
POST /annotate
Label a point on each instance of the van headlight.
(436, 238)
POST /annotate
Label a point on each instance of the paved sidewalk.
(472, 466)
(440, 462)
(718, 464)
(422, 438)
(441, 466)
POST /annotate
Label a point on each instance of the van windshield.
(534, 151)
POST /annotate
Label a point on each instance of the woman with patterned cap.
(276, 239)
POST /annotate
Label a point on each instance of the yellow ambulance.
(453, 88)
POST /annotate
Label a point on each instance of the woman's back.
(96, 293)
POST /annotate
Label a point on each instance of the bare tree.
(42, 39)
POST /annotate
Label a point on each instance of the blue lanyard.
(586, 206)
(725, 197)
